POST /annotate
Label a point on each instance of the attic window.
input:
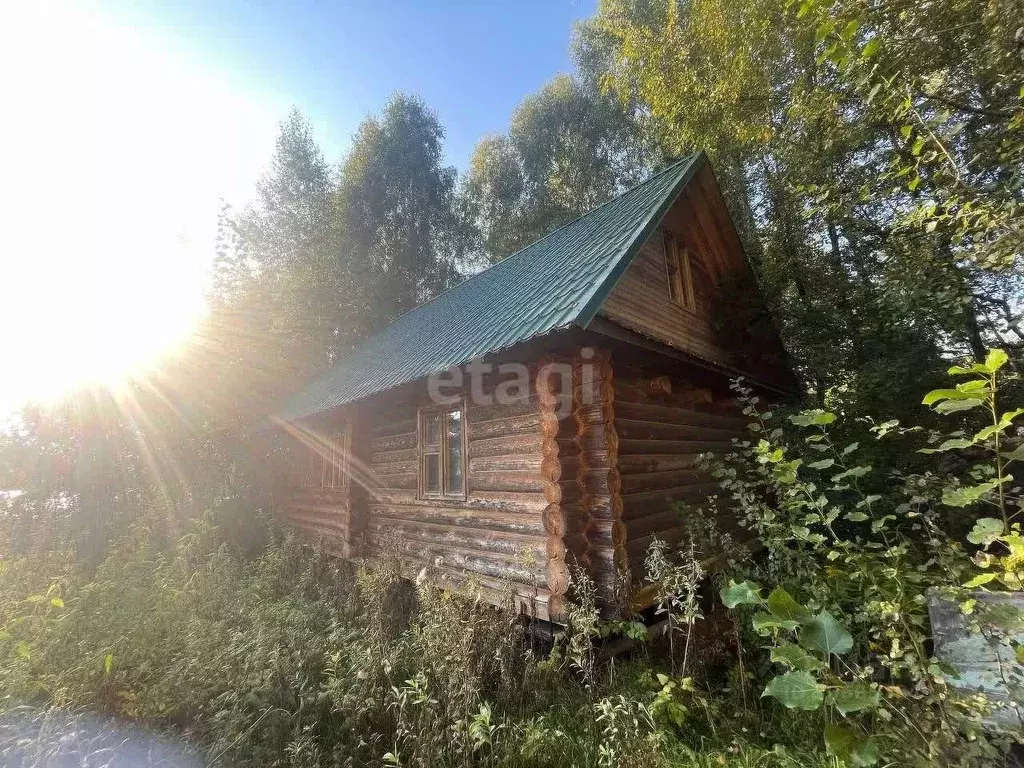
(327, 461)
(442, 449)
(680, 277)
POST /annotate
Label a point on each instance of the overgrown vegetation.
(870, 153)
(262, 651)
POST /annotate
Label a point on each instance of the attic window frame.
(441, 449)
(679, 273)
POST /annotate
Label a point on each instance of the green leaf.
(854, 697)
(814, 417)
(850, 747)
(781, 605)
(826, 634)
(22, 649)
(56, 602)
(964, 496)
(996, 359)
(949, 445)
(763, 623)
(823, 464)
(870, 50)
(1017, 454)
(108, 664)
(955, 406)
(979, 580)
(985, 531)
(795, 657)
(744, 593)
(795, 690)
(944, 394)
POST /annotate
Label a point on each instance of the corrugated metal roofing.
(558, 281)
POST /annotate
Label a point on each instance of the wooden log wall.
(508, 529)
(664, 424)
(322, 514)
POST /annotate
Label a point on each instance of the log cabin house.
(581, 378)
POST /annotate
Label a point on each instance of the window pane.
(432, 429)
(432, 473)
(453, 468)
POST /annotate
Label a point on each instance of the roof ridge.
(539, 240)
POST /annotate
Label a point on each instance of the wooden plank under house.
(548, 410)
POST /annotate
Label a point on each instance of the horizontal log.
(503, 410)
(393, 443)
(521, 481)
(636, 505)
(333, 520)
(492, 566)
(391, 426)
(632, 429)
(517, 425)
(510, 501)
(391, 457)
(533, 600)
(675, 415)
(653, 481)
(524, 462)
(488, 521)
(320, 530)
(630, 464)
(515, 546)
(328, 496)
(646, 447)
(507, 445)
(394, 468)
(638, 528)
(409, 480)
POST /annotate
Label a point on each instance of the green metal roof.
(559, 281)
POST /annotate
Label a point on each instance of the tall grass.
(266, 652)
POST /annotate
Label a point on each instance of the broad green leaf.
(795, 690)
(964, 496)
(795, 657)
(955, 406)
(22, 649)
(996, 359)
(814, 417)
(1017, 454)
(949, 445)
(781, 605)
(826, 634)
(744, 593)
(985, 531)
(850, 747)
(869, 50)
(108, 663)
(854, 697)
(56, 602)
(943, 394)
(823, 464)
(979, 580)
(763, 623)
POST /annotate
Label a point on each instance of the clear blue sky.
(471, 61)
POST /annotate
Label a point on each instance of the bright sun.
(115, 155)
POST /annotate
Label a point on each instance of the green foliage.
(851, 557)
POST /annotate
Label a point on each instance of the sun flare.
(117, 153)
